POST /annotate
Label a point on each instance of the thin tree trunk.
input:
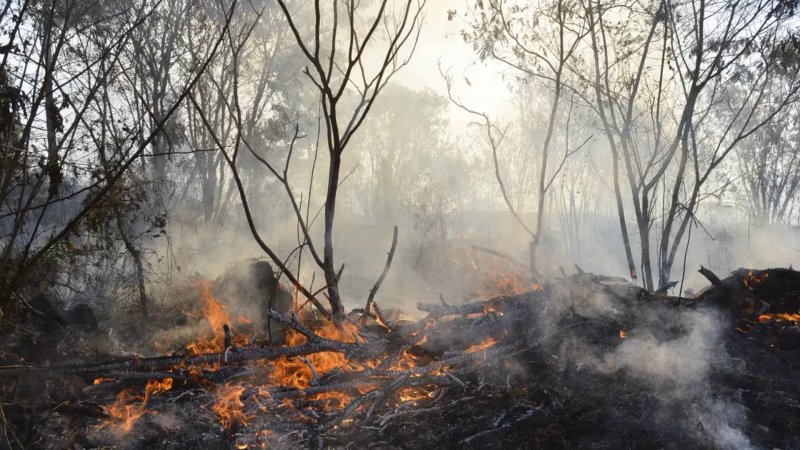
(331, 277)
(122, 223)
(614, 151)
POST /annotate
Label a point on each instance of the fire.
(413, 394)
(781, 316)
(124, 408)
(217, 316)
(485, 343)
(623, 334)
(498, 281)
(380, 322)
(228, 405)
(103, 380)
(336, 400)
(429, 322)
(294, 372)
(752, 278)
(406, 362)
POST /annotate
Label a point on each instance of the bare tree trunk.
(331, 277)
(545, 151)
(614, 151)
(136, 254)
(122, 222)
(53, 116)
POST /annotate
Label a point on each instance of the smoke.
(679, 369)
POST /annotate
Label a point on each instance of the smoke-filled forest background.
(147, 142)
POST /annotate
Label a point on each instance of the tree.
(53, 83)
(333, 71)
(654, 74)
(492, 26)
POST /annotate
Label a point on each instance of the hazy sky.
(441, 42)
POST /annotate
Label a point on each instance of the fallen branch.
(441, 310)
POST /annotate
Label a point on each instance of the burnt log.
(45, 314)
(710, 276)
(82, 316)
(251, 289)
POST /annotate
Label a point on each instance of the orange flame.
(497, 281)
(228, 405)
(485, 343)
(752, 278)
(408, 394)
(781, 316)
(217, 316)
(124, 409)
(623, 334)
(293, 372)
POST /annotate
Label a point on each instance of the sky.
(441, 43)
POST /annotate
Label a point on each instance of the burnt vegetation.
(196, 198)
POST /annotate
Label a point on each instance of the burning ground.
(584, 361)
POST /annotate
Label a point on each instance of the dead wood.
(710, 276)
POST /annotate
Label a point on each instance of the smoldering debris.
(578, 362)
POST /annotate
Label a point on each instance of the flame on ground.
(124, 413)
(414, 394)
(750, 280)
(217, 316)
(498, 281)
(485, 343)
(781, 316)
(228, 405)
(295, 373)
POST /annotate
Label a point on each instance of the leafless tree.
(542, 54)
(709, 42)
(768, 169)
(53, 81)
(338, 66)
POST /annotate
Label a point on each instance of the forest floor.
(581, 361)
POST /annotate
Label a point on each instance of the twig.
(454, 378)
(315, 379)
(527, 414)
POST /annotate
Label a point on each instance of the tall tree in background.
(654, 74)
(52, 87)
(541, 54)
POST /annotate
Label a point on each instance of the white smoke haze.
(452, 152)
(678, 371)
(681, 365)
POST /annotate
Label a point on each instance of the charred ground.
(584, 361)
